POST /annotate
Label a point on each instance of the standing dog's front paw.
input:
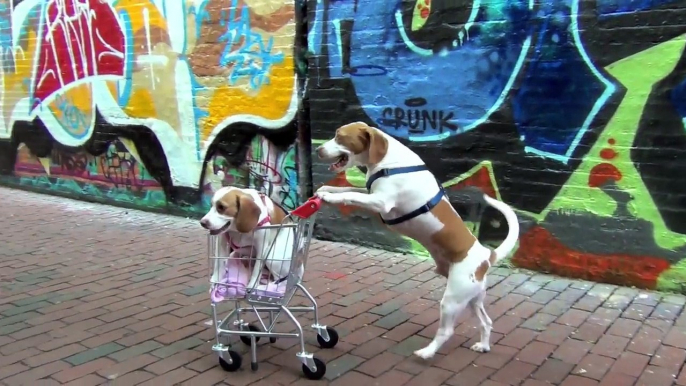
(321, 194)
(325, 189)
(331, 198)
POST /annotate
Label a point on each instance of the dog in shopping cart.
(409, 200)
(239, 213)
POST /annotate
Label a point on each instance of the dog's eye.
(220, 208)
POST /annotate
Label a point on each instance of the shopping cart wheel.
(235, 364)
(246, 339)
(333, 339)
(318, 374)
(272, 340)
(253, 366)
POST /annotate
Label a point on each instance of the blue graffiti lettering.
(254, 59)
(201, 15)
(71, 118)
(124, 87)
(6, 50)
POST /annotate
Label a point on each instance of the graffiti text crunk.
(253, 58)
(79, 39)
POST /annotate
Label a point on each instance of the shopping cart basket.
(232, 269)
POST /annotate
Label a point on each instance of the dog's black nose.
(204, 223)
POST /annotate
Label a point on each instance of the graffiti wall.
(572, 112)
(154, 103)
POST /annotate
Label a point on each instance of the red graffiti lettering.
(79, 39)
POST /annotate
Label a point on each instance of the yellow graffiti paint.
(421, 13)
(45, 162)
(73, 108)
(141, 104)
(131, 148)
(272, 101)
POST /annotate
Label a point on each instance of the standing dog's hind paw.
(480, 347)
(424, 353)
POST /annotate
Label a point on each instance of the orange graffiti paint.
(540, 250)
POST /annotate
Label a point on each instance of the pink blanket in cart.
(234, 279)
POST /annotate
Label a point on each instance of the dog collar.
(417, 212)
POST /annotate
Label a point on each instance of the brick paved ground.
(93, 294)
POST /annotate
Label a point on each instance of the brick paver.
(93, 294)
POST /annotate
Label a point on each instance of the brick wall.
(571, 112)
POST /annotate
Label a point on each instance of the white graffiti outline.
(73, 33)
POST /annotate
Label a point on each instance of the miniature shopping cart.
(232, 271)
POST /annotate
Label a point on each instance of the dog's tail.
(512, 223)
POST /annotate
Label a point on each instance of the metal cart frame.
(301, 222)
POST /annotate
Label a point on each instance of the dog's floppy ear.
(378, 145)
(248, 214)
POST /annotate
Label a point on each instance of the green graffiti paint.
(674, 279)
(576, 195)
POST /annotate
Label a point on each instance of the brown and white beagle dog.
(410, 201)
(240, 213)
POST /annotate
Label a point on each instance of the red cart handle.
(310, 207)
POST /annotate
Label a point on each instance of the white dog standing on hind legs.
(410, 201)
